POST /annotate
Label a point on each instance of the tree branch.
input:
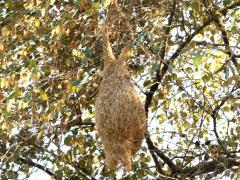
(216, 18)
(155, 159)
(168, 161)
(160, 75)
(78, 122)
(83, 172)
(214, 117)
(43, 168)
(226, 9)
(205, 43)
(149, 97)
(219, 164)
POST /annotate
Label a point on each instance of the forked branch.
(160, 75)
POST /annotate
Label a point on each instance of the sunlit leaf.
(37, 22)
(197, 60)
(226, 2)
(52, 2)
(238, 68)
(5, 32)
(153, 69)
(96, 5)
(44, 96)
(10, 104)
(106, 3)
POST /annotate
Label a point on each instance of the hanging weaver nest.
(120, 115)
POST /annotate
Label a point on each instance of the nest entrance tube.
(119, 112)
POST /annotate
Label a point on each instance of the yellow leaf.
(96, 159)
(52, 2)
(46, 117)
(1, 47)
(106, 3)
(36, 76)
(43, 117)
(10, 105)
(4, 83)
(25, 78)
(22, 104)
(49, 116)
(60, 103)
(5, 31)
(37, 22)
(72, 89)
(59, 30)
(44, 96)
(78, 53)
(4, 65)
(30, 4)
(96, 5)
(4, 125)
(44, 12)
(238, 68)
(40, 134)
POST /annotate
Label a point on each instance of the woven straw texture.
(120, 115)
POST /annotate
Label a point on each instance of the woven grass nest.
(120, 115)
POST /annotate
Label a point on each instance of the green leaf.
(88, 53)
(32, 63)
(68, 62)
(68, 141)
(170, 68)
(76, 82)
(77, 3)
(96, 5)
(12, 174)
(226, 2)
(197, 60)
(153, 69)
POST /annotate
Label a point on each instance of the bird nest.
(120, 115)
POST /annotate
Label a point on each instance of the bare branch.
(43, 168)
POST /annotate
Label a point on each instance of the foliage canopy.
(185, 63)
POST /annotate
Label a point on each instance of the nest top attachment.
(119, 112)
